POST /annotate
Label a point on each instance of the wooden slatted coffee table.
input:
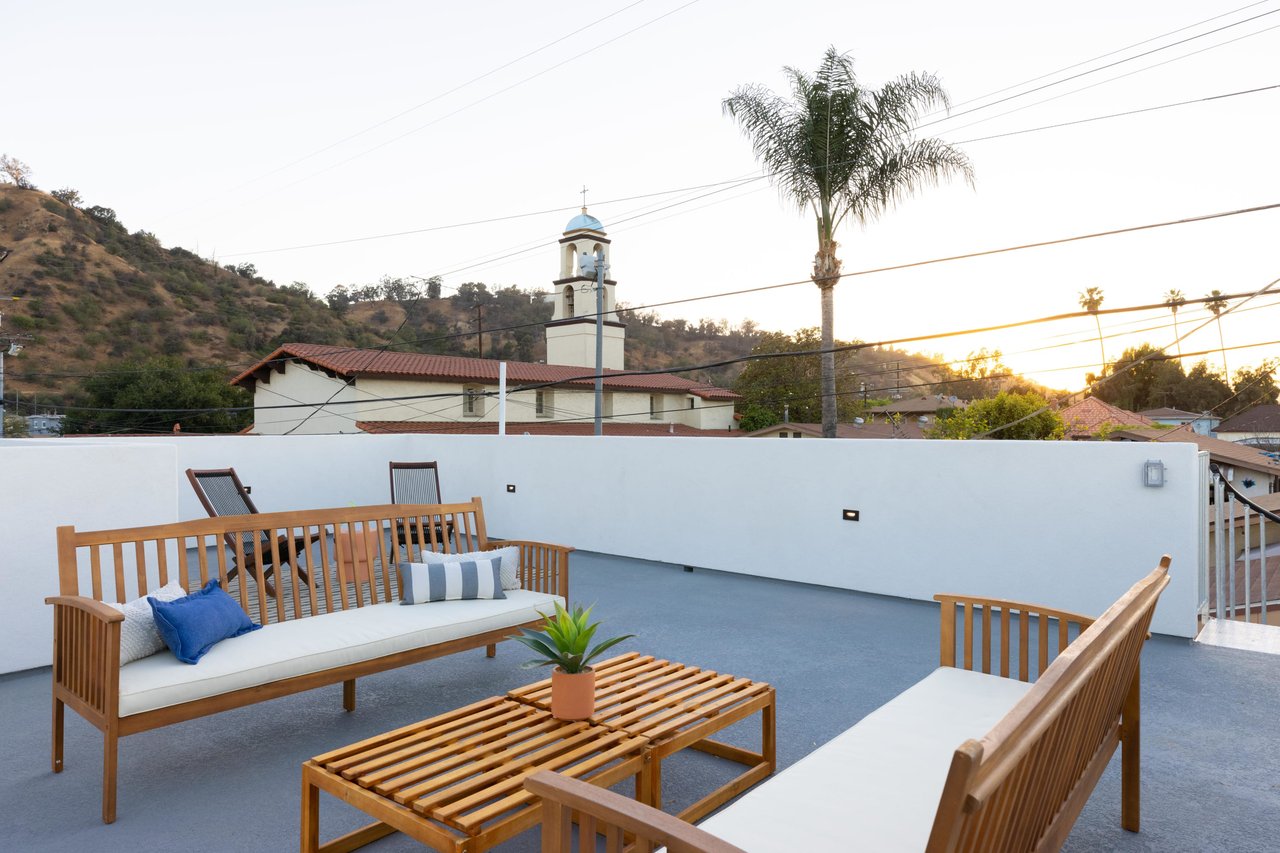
(673, 707)
(456, 782)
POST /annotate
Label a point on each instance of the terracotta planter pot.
(573, 696)
(351, 550)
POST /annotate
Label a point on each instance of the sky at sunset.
(247, 129)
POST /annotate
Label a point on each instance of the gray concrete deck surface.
(230, 782)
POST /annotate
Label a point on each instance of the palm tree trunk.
(1102, 368)
(1222, 346)
(828, 364)
(1177, 338)
(826, 272)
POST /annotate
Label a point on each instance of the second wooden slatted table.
(673, 706)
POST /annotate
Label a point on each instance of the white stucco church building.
(306, 388)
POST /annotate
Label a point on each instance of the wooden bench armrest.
(92, 606)
(543, 567)
(86, 658)
(603, 811)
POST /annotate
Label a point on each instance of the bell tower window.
(568, 301)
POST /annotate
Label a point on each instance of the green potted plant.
(565, 643)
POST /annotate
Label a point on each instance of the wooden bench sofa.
(897, 782)
(329, 617)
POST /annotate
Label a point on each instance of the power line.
(1133, 364)
(890, 268)
(1109, 80)
(490, 96)
(727, 184)
(1109, 53)
(1044, 86)
(1125, 113)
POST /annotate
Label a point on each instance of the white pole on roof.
(502, 398)
(599, 340)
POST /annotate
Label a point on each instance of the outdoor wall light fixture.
(1153, 473)
(851, 515)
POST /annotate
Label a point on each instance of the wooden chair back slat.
(117, 561)
(162, 561)
(95, 568)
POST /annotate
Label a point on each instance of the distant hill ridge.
(96, 296)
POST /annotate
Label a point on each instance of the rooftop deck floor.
(230, 782)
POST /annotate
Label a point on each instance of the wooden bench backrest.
(120, 565)
(1022, 786)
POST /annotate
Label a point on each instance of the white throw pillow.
(510, 561)
(138, 635)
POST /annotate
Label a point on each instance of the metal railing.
(1242, 574)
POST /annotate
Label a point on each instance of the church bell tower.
(571, 334)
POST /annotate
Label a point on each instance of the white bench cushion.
(877, 785)
(318, 643)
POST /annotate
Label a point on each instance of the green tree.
(1142, 378)
(844, 151)
(17, 171)
(771, 387)
(158, 383)
(1217, 304)
(1202, 390)
(1023, 417)
(1091, 301)
(68, 196)
(978, 376)
(15, 426)
(1255, 387)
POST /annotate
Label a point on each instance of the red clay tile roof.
(660, 430)
(1091, 414)
(348, 362)
(873, 429)
(1258, 419)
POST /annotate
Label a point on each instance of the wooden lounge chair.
(221, 493)
(417, 483)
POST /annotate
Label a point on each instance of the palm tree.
(1216, 304)
(1175, 300)
(1091, 301)
(845, 152)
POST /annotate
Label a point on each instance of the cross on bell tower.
(571, 334)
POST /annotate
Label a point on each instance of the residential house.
(1258, 427)
(1091, 418)
(1204, 423)
(305, 388)
(1250, 471)
(41, 425)
(884, 428)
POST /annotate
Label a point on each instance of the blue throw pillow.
(195, 623)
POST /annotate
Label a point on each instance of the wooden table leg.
(654, 764)
(769, 731)
(310, 834)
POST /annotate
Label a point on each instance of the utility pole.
(599, 339)
(9, 346)
(480, 331)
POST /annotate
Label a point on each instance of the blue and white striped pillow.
(450, 581)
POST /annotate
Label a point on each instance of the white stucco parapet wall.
(1065, 524)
